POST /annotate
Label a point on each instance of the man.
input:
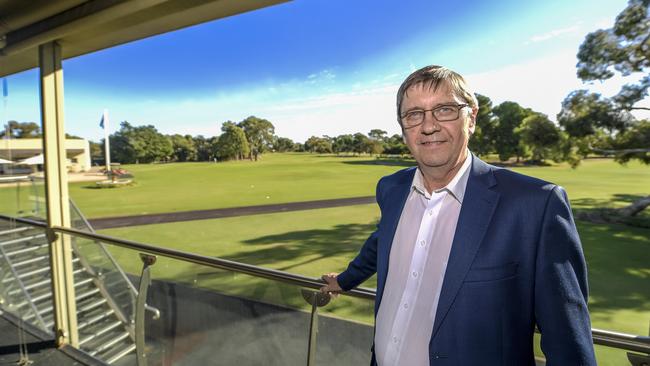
(469, 257)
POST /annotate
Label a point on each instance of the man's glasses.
(443, 113)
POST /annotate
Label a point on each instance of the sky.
(324, 67)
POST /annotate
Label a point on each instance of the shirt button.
(430, 212)
(415, 274)
(406, 306)
(394, 339)
(422, 243)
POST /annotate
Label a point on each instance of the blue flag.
(5, 88)
(101, 123)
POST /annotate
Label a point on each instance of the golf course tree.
(183, 148)
(320, 145)
(482, 141)
(343, 144)
(378, 140)
(283, 144)
(395, 146)
(139, 144)
(623, 49)
(507, 142)
(232, 143)
(203, 147)
(592, 121)
(96, 150)
(541, 136)
(21, 130)
(260, 134)
(361, 144)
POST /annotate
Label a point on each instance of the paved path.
(123, 221)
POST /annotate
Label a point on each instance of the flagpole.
(5, 121)
(107, 148)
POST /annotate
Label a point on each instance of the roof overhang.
(86, 26)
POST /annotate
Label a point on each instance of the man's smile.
(432, 143)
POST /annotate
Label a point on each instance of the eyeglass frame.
(424, 115)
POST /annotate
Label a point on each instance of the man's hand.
(331, 284)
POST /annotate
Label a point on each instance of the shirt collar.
(456, 186)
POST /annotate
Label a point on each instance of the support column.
(56, 193)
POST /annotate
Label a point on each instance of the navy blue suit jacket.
(515, 262)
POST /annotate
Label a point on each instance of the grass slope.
(275, 178)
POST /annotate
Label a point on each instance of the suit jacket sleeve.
(561, 288)
(364, 264)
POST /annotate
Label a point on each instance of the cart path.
(137, 220)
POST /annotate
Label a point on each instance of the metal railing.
(86, 225)
(618, 340)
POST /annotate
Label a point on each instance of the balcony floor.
(41, 350)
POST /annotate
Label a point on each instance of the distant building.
(77, 151)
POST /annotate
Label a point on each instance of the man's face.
(437, 144)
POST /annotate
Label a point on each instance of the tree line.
(243, 140)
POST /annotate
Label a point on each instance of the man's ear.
(471, 124)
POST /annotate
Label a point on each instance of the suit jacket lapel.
(476, 212)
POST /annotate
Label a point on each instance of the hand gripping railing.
(627, 342)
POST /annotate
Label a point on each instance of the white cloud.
(541, 84)
(324, 76)
(552, 34)
(336, 113)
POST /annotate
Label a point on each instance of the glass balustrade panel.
(25, 285)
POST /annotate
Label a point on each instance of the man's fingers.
(331, 284)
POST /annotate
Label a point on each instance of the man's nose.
(429, 124)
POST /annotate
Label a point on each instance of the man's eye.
(414, 114)
(445, 109)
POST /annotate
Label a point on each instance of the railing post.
(56, 192)
(141, 302)
(638, 360)
(316, 299)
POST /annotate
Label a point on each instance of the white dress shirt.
(417, 264)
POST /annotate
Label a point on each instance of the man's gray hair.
(434, 76)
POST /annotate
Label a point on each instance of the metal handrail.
(607, 338)
(24, 221)
(272, 274)
(14, 179)
(107, 254)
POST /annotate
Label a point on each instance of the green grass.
(597, 182)
(20, 199)
(275, 178)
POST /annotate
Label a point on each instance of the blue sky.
(315, 67)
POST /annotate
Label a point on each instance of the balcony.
(192, 310)
(71, 296)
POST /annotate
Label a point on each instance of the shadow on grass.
(603, 211)
(617, 256)
(306, 246)
(619, 198)
(619, 266)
